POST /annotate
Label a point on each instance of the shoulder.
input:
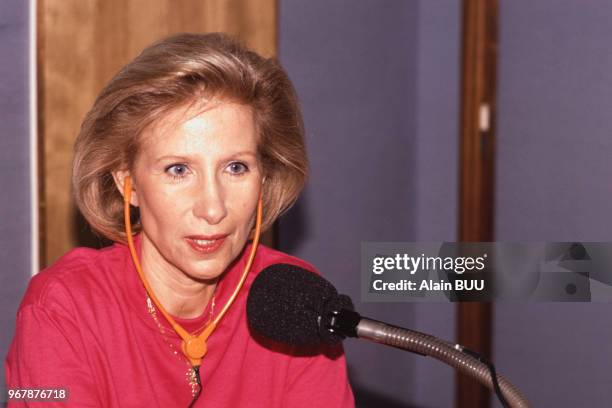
(76, 271)
(267, 256)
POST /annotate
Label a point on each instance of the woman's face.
(197, 180)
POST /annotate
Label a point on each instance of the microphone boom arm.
(350, 324)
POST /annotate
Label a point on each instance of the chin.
(209, 270)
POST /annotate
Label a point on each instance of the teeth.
(204, 241)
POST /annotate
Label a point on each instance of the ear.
(120, 180)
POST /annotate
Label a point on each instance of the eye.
(237, 168)
(177, 170)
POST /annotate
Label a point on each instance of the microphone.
(292, 305)
(289, 304)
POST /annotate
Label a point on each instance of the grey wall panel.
(436, 177)
(378, 88)
(554, 149)
(14, 166)
(354, 65)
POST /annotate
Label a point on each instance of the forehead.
(215, 126)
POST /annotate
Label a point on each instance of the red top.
(84, 325)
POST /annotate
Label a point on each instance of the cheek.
(246, 205)
(159, 207)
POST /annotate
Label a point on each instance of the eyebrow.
(180, 157)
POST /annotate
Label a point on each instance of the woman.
(189, 148)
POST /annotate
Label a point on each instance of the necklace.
(190, 375)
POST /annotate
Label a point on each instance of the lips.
(206, 244)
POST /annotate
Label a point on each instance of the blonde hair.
(177, 71)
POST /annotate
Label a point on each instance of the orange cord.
(194, 347)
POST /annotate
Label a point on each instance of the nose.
(209, 201)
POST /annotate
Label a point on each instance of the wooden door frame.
(477, 174)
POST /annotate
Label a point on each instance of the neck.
(179, 294)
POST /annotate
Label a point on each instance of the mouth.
(206, 244)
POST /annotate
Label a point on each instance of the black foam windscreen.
(289, 304)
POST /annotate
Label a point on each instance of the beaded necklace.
(190, 375)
